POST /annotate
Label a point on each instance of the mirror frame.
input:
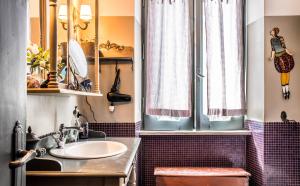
(53, 44)
(43, 23)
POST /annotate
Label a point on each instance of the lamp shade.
(63, 12)
(85, 12)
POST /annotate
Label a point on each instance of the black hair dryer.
(114, 96)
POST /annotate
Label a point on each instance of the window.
(194, 63)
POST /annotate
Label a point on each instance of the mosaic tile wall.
(273, 153)
(255, 152)
(117, 129)
(193, 151)
(282, 154)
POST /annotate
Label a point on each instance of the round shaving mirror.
(77, 58)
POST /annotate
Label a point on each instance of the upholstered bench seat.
(196, 176)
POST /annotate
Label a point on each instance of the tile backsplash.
(255, 152)
(273, 153)
(117, 129)
(282, 154)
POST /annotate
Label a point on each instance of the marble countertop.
(115, 166)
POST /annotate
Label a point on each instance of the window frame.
(198, 65)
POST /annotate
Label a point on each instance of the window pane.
(168, 65)
(224, 57)
(222, 33)
(169, 60)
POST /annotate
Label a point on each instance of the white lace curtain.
(168, 59)
(225, 57)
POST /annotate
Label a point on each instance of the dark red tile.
(191, 151)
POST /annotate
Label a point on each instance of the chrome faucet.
(69, 134)
(57, 136)
(65, 135)
(79, 124)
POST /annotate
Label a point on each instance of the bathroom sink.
(89, 150)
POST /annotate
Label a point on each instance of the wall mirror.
(66, 30)
(37, 42)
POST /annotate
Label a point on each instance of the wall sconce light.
(85, 16)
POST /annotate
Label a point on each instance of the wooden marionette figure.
(283, 60)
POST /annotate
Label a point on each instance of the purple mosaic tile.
(192, 151)
(282, 154)
(255, 152)
(138, 127)
(273, 153)
(117, 129)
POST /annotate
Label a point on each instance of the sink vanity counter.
(109, 171)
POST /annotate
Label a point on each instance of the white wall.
(281, 7)
(255, 75)
(46, 113)
(255, 60)
(255, 10)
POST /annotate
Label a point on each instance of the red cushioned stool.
(193, 176)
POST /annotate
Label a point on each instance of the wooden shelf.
(59, 92)
(116, 59)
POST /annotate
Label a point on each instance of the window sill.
(195, 133)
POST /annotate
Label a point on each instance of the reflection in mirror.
(62, 41)
(38, 20)
(75, 49)
(37, 51)
(34, 22)
(77, 58)
(65, 22)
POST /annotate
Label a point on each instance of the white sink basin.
(89, 150)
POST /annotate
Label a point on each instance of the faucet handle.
(41, 152)
(61, 127)
(60, 142)
(61, 130)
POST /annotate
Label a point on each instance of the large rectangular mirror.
(58, 26)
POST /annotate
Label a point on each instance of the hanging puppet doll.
(283, 60)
